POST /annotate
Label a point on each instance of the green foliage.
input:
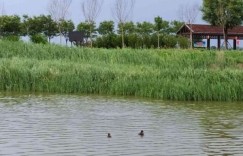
(107, 41)
(106, 28)
(161, 26)
(127, 27)
(133, 35)
(183, 42)
(88, 29)
(66, 27)
(13, 38)
(49, 29)
(161, 74)
(39, 38)
(10, 25)
(175, 26)
(224, 13)
(39, 25)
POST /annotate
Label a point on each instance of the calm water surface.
(32, 125)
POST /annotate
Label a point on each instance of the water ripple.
(78, 125)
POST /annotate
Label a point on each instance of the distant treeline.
(42, 28)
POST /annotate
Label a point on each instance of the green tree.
(66, 26)
(126, 28)
(39, 39)
(50, 28)
(91, 10)
(25, 25)
(144, 30)
(108, 38)
(10, 25)
(160, 26)
(59, 10)
(224, 13)
(175, 26)
(122, 11)
(107, 41)
(86, 27)
(127, 32)
(32, 25)
(41, 24)
(106, 28)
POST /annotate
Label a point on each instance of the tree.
(66, 27)
(91, 10)
(175, 26)
(106, 28)
(122, 11)
(10, 25)
(145, 30)
(188, 14)
(86, 27)
(32, 25)
(50, 28)
(108, 37)
(58, 9)
(160, 26)
(25, 25)
(39, 38)
(224, 13)
(126, 28)
(42, 24)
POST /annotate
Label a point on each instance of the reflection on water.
(78, 125)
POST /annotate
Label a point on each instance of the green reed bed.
(162, 74)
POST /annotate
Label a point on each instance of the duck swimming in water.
(109, 135)
(141, 133)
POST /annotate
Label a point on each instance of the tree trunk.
(123, 44)
(191, 40)
(60, 32)
(158, 40)
(91, 42)
(226, 38)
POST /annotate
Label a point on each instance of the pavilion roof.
(204, 29)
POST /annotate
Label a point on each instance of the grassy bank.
(160, 74)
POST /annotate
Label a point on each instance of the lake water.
(70, 125)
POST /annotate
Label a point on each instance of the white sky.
(145, 10)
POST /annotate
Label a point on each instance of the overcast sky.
(145, 10)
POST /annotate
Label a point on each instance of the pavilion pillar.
(234, 44)
(208, 42)
(219, 42)
(191, 40)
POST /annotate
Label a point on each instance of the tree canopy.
(224, 13)
(10, 25)
(108, 34)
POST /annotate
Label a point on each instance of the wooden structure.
(76, 37)
(199, 31)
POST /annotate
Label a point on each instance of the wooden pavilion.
(200, 31)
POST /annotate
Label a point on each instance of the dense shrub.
(11, 38)
(39, 38)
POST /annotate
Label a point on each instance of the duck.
(141, 133)
(109, 135)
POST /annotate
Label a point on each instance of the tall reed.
(170, 74)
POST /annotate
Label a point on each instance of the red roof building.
(200, 31)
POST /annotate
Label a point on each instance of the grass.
(162, 74)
